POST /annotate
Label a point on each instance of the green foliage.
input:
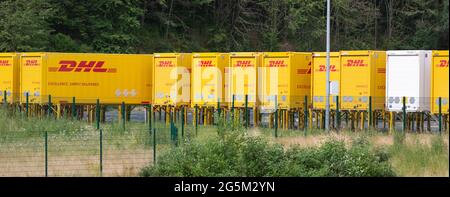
(135, 26)
(235, 154)
(23, 25)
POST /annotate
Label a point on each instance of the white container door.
(403, 80)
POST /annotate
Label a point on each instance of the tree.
(23, 25)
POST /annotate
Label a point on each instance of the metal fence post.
(101, 152)
(97, 114)
(247, 119)
(46, 153)
(305, 124)
(123, 115)
(276, 115)
(74, 109)
(154, 146)
(150, 112)
(196, 118)
(232, 109)
(404, 114)
(5, 99)
(440, 115)
(27, 103)
(49, 105)
(218, 106)
(182, 122)
(370, 112)
(338, 114)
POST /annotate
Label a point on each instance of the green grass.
(421, 159)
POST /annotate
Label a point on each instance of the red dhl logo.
(442, 63)
(4, 63)
(31, 63)
(166, 64)
(323, 68)
(83, 66)
(355, 63)
(205, 63)
(277, 63)
(244, 63)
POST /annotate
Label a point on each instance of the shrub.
(235, 154)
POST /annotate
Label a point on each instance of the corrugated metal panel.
(319, 79)
(208, 79)
(362, 76)
(408, 75)
(112, 78)
(172, 80)
(287, 75)
(9, 77)
(439, 81)
(242, 78)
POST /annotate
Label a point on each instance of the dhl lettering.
(443, 63)
(355, 63)
(165, 64)
(31, 63)
(83, 66)
(4, 63)
(205, 63)
(277, 63)
(323, 68)
(243, 63)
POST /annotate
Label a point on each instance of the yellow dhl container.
(9, 77)
(319, 79)
(241, 78)
(112, 78)
(208, 79)
(363, 75)
(439, 81)
(172, 80)
(286, 78)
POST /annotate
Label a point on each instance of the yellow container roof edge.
(245, 54)
(440, 53)
(283, 54)
(321, 54)
(59, 53)
(169, 54)
(9, 54)
(208, 53)
(358, 52)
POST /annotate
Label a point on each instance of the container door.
(6, 78)
(164, 66)
(275, 79)
(440, 83)
(243, 80)
(403, 80)
(319, 84)
(355, 82)
(207, 81)
(31, 80)
(169, 80)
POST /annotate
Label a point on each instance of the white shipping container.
(408, 75)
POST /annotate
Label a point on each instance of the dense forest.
(147, 26)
